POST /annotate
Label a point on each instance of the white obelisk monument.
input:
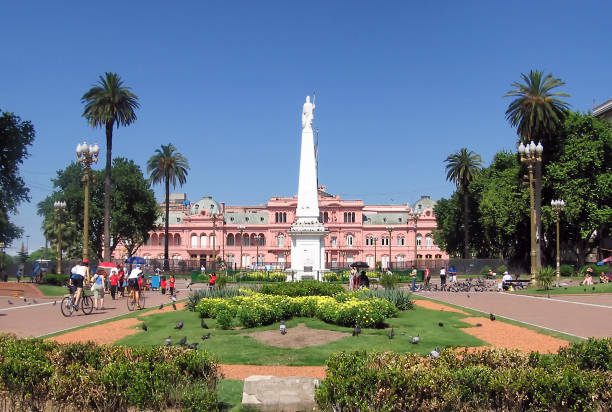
(307, 232)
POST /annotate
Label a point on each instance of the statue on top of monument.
(307, 113)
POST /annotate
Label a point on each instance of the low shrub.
(389, 280)
(501, 269)
(304, 288)
(488, 380)
(545, 277)
(41, 375)
(55, 279)
(258, 309)
(196, 296)
(596, 269)
(399, 298)
(260, 276)
(566, 270)
(485, 270)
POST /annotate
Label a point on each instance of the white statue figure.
(307, 113)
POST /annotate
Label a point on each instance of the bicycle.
(131, 300)
(68, 307)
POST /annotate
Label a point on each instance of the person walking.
(121, 282)
(163, 285)
(426, 277)
(98, 289)
(171, 283)
(114, 281)
(212, 280)
(442, 277)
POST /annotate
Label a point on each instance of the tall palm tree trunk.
(466, 225)
(107, 190)
(167, 221)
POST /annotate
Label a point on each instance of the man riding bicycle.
(133, 284)
(79, 273)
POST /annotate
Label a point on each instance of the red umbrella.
(107, 265)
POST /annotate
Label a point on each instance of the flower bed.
(578, 378)
(42, 375)
(257, 309)
(304, 288)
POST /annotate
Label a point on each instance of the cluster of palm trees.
(537, 112)
(109, 104)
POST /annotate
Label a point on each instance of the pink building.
(256, 236)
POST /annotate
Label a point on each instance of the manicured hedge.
(578, 378)
(40, 375)
(256, 309)
(53, 279)
(304, 288)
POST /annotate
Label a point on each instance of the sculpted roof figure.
(307, 113)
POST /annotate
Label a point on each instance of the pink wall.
(350, 237)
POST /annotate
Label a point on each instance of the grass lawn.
(230, 394)
(568, 290)
(52, 290)
(235, 347)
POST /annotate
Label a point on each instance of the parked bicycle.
(69, 306)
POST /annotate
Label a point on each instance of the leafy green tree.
(22, 255)
(42, 253)
(538, 112)
(461, 168)
(134, 207)
(167, 166)
(15, 137)
(448, 233)
(108, 104)
(582, 176)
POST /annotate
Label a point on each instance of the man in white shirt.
(79, 274)
(133, 284)
(505, 279)
(443, 276)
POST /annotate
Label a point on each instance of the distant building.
(604, 111)
(256, 236)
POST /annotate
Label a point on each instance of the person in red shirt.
(113, 280)
(120, 281)
(171, 282)
(212, 280)
(163, 285)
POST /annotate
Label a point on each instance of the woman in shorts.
(98, 289)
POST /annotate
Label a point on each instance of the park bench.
(518, 283)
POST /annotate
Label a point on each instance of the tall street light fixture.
(415, 216)
(558, 206)
(86, 155)
(390, 230)
(375, 240)
(257, 242)
(214, 239)
(241, 229)
(531, 154)
(60, 208)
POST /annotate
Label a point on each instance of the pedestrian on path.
(98, 289)
(114, 281)
(443, 277)
(171, 283)
(427, 276)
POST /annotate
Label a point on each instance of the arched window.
(245, 239)
(161, 240)
(194, 240)
(438, 256)
(212, 239)
(349, 240)
(384, 261)
(177, 239)
(400, 260)
(230, 240)
(253, 239)
(262, 239)
(370, 260)
(325, 217)
(428, 240)
(384, 241)
(401, 240)
(427, 256)
(153, 240)
(419, 240)
(369, 241)
(280, 240)
(284, 217)
(202, 240)
(276, 220)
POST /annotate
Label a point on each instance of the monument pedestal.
(307, 251)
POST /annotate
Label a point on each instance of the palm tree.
(168, 166)
(461, 168)
(107, 104)
(537, 112)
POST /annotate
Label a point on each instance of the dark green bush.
(566, 270)
(400, 298)
(53, 279)
(304, 288)
(39, 375)
(593, 354)
(196, 296)
(389, 280)
(482, 381)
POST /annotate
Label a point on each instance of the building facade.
(257, 236)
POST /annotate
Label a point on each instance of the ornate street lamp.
(241, 229)
(531, 154)
(375, 239)
(60, 207)
(214, 239)
(415, 216)
(558, 205)
(86, 155)
(390, 230)
(257, 242)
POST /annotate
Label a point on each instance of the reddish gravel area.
(244, 371)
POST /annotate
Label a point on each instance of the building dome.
(423, 203)
(207, 204)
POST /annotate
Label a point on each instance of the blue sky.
(400, 85)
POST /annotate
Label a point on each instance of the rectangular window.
(334, 241)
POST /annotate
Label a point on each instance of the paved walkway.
(38, 317)
(579, 315)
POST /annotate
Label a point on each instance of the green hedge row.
(41, 375)
(578, 378)
(53, 279)
(304, 288)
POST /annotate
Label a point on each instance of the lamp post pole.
(558, 206)
(86, 155)
(531, 154)
(390, 230)
(415, 216)
(60, 207)
(241, 229)
(257, 240)
(214, 240)
(375, 240)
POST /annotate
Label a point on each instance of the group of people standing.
(358, 280)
